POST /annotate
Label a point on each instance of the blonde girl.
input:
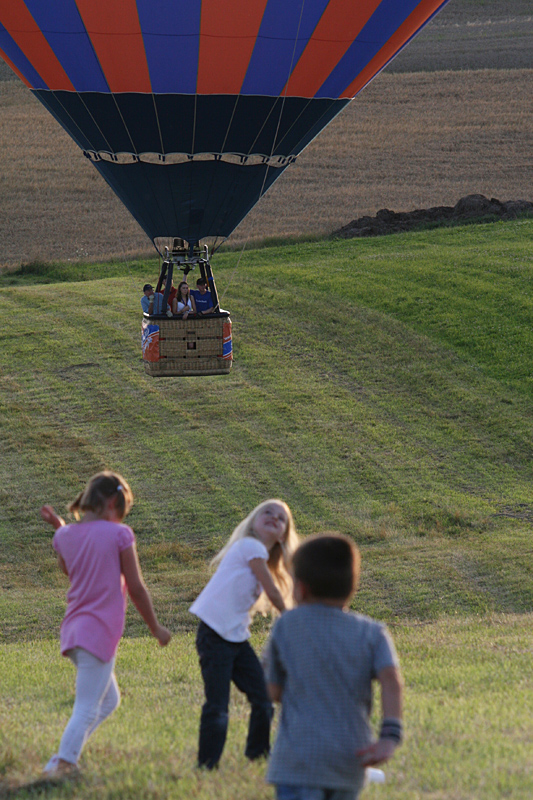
(98, 555)
(252, 575)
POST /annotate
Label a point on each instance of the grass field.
(468, 730)
(383, 388)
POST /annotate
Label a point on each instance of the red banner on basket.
(150, 341)
(227, 347)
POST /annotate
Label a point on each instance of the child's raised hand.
(50, 516)
(377, 753)
(163, 635)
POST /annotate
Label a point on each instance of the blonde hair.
(279, 558)
(99, 490)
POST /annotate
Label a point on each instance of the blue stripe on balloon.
(63, 29)
(15, 54)
(385, 21)
(171, 33)
(276, 53)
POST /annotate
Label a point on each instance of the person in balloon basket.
(172, 293)
(184, 303)
(321, 661)
(151, 301)
(202, 297)
(252, 575)
(98, 555)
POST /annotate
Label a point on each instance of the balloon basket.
(175, 347)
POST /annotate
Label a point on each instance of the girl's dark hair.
(329, 565)
(183, 283)
(99, 490)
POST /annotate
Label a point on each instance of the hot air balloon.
(191, 109)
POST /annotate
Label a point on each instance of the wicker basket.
(194, 346)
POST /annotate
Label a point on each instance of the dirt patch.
(472, 208)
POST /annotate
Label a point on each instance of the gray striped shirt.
(325, 660)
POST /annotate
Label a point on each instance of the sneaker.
(52, 764)
(61, 770)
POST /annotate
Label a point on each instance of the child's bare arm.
(262, 573)
(391, 692)
(391, 730)
(49, 515)
(275, 692)
(139, 594)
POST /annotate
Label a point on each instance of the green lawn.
(383, 388)
(468, 728)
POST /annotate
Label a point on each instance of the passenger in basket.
(151, 301)
(185, 304)
(172, 294)
(202, 297)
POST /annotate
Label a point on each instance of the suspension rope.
(232, 274)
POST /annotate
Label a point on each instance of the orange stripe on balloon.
(228, 32)
(339, 25)
(411, 25)
(14, 68)
(25, 32)
(116, 36)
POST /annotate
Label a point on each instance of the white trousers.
(97, 696)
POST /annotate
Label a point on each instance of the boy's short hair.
(201, 282)
(328, 565)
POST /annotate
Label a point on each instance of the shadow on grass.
(41, 787)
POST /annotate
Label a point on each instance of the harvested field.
(409, 140)
(473, 34)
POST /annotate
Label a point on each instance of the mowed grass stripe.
(398, 429)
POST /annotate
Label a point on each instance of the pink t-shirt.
(97, 600)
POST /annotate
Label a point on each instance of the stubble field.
(414, 138)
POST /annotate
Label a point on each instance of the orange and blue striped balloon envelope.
(191, 109)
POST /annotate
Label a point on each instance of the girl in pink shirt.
(98, 555)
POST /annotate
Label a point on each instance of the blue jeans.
(222, 662)
(284, 792)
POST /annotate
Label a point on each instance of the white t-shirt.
(226, 601)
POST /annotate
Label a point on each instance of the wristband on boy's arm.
(391, 728)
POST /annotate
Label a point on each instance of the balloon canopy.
(191, 109)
